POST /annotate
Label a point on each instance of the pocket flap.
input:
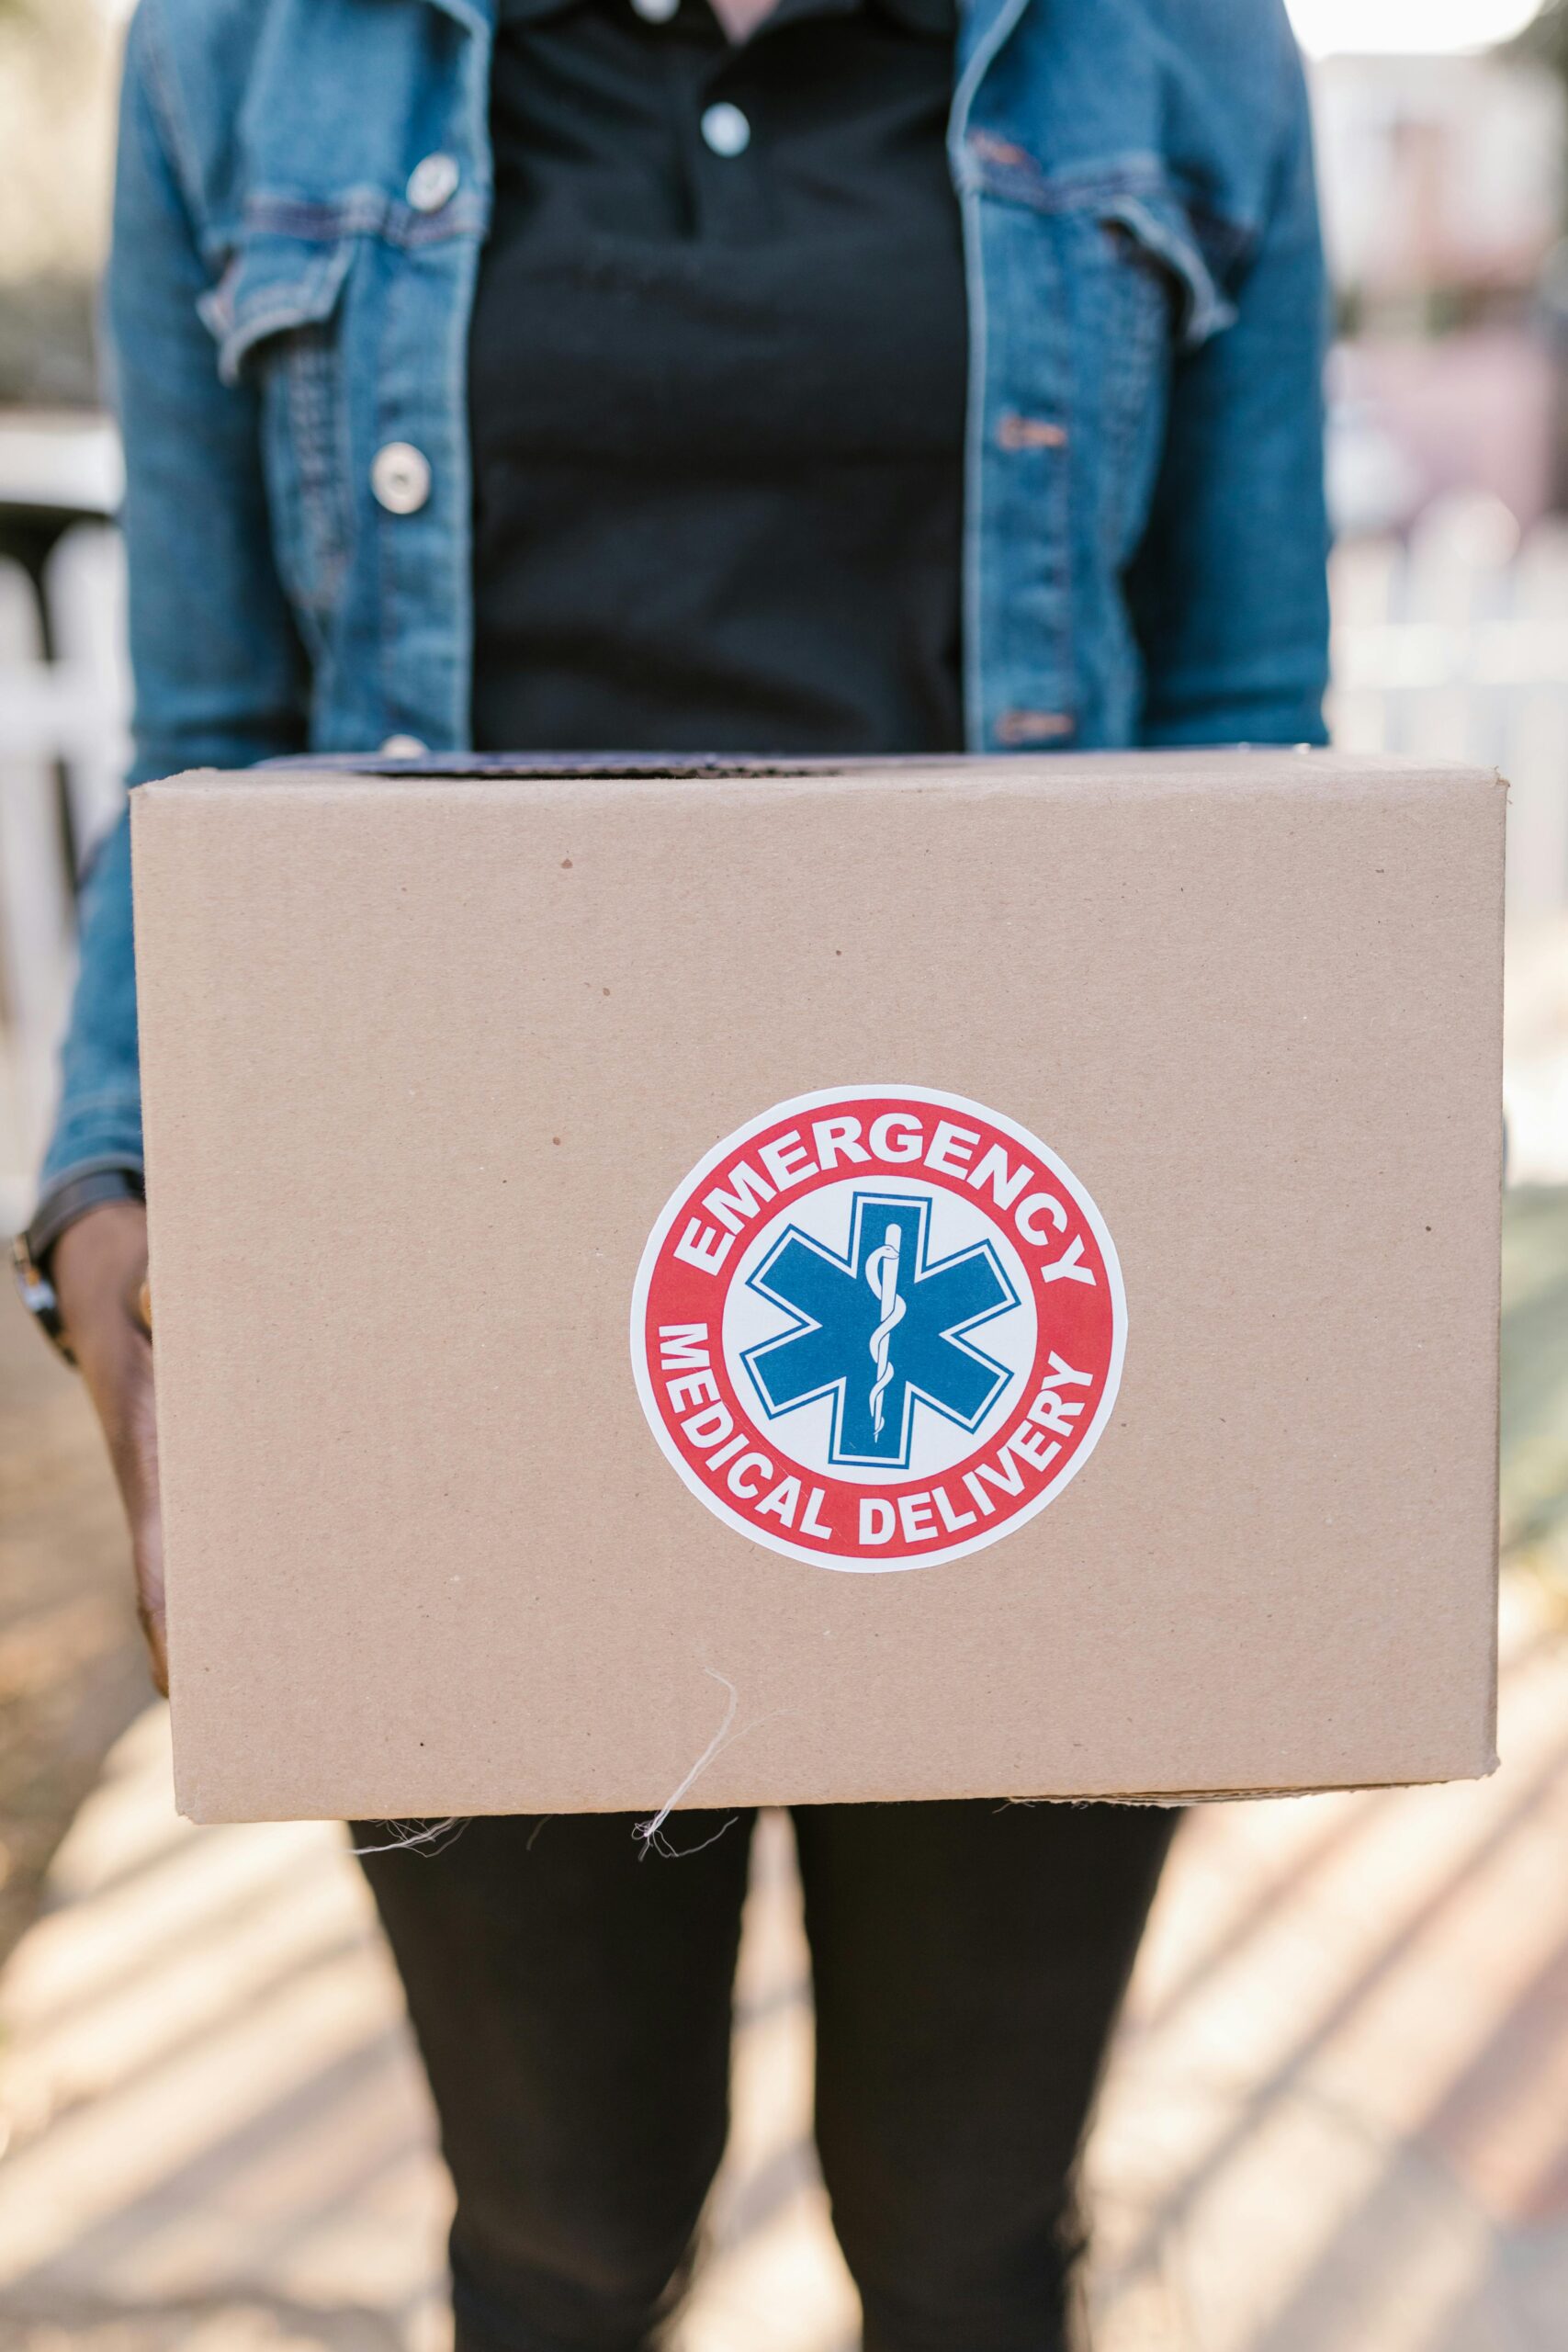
(272, 285)
(1135, 193)
(1157, 223)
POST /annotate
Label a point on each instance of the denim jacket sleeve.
(1228, 593)
(218, 669)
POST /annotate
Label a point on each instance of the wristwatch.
(62, 1207)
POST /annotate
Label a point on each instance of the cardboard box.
(1054, 1201)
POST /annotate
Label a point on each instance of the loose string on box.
(650, 1834)
(417, 1837)
(431, 1838)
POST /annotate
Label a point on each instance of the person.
(834, 377)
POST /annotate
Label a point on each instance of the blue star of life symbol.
(880, 1329)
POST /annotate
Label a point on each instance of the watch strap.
(61, 1206)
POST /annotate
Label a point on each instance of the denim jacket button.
(432, 182)
(725, 130)
(1015, 728)
(400, 476)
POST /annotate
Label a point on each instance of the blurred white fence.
(62, 753)
(1455, 647)
(1452, 646)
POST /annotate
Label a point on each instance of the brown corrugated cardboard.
(1100, 1375)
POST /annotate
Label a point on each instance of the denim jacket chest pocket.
(1108, 282)
(1125, 279)
(275, 315)
(1158, 298)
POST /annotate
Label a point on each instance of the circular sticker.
(878, 1327)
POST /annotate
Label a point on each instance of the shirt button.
(432, 182)
(725, 130)
(400, 476)
(403, 747)
(656, 12)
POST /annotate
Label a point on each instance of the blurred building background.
(1339, 2113)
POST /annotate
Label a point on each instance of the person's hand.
(98, 1268)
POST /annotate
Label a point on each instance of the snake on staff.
(882, 1274)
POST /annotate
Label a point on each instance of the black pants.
(573, 2006)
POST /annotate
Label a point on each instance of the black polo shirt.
(717, 369)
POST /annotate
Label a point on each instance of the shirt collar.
(529, 12)
(931, 16)
(937, 18)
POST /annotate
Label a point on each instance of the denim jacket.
(303, 188)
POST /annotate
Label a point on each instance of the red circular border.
(1077, 1321)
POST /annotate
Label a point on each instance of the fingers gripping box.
(973, 1278)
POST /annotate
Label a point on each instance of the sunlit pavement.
(1338, 2116)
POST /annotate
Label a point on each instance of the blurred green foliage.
(1535, 1378)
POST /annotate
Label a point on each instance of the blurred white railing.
(1452, 646)
(63, 754)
